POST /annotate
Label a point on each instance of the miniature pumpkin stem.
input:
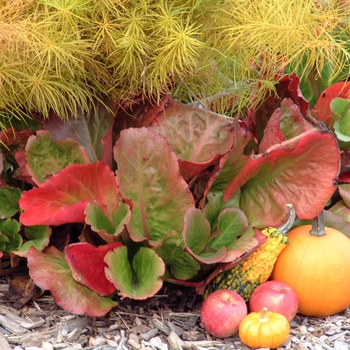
(263, 317)
(289, 223)
(318, 226)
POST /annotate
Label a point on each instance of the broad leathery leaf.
(108, 227)
(285, 123)
(215, 204)
(235, 234)
(46, 157)
(198, 137)
(344, 191)
(38, 237)
(88, 129)
(181, 265)
(300, 171)
(338, 217)
(22, 173)
(232, 223)
(231, 163)
(322, 109)
(62, 198)
(9, 197)
(288, 87)
(139, 280)
(246, 243)
(88, 267)
(50, 271)
(10, 228)
(196, 233)
(148, 175)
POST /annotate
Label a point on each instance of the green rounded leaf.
(139, 279)
(9, 198)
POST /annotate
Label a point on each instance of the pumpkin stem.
(263, 317)
(318, 226)
(289, 223)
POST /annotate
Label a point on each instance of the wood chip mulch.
(167, 321)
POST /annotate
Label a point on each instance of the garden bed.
(169, 320)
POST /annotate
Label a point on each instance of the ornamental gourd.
(316, 264)
(264, 329)
(256, 269)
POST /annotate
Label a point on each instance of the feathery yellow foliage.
(61, 54)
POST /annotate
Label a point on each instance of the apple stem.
(263, 317)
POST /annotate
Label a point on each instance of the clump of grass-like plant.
(61, 54)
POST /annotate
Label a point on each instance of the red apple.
(222, 312)
(276, 296)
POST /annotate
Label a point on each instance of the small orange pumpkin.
(316, 264)
(264, 329)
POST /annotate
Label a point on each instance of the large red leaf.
(300, 171)
(322, 109)
(63, 198)
(50, 271)
(87, 265)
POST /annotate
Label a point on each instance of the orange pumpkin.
(264, 329)
(316, 264)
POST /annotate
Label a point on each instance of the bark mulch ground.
(167, 321)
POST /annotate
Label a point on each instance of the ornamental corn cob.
(257, 268)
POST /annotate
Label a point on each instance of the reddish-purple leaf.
(87, 265)
(231, 163)
(198, 137)
(285, 123)
(50, 271)
(62, 198)
(288, 86)
(300, 171)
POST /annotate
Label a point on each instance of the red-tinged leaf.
(287, 87)
(50, 271)
(91, 129)
(344, 191)
(300, 171)
(148, 175)
(22, 173)
(138, 279)
(338, 217)
(198, 137)
(62, 198)
(88, 267)
(285, 123)
(322, 109)
(231, 163)
(12, 137)
(46, 157)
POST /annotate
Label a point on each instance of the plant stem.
(318, 227)
(290, 221)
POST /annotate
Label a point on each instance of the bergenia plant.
(168, 195)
